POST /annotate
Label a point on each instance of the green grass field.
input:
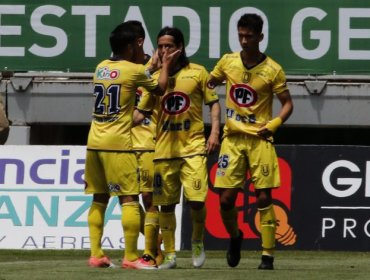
(289, 265)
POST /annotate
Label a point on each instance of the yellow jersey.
(249, 92)
(143, 135)
(180, 127)
(115, 84)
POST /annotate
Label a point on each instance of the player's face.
(248, 39)
(166, 43)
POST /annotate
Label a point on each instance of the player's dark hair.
(139, 29)
(252, 21)
(122, 36)
(178, 38)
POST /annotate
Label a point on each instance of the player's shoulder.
(229, 59)
(102, 63)
(273, 64)
(195, 67)
(231, 56)
(120, 64)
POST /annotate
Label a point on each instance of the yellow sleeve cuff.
(274, 124)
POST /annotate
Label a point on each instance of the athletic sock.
(151, 230)
(131, 228)
(167, 223)
(95, 220)
(268, 229)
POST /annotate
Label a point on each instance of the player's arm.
(155, 64)
(286, 110)
(167, 60)
(213, 141)
(144, 108)
(138, 116)
(213, 82)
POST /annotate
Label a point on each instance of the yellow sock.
(167, 223)
(268, 229)
(95, 220)
(198, 219)
(151, 230)
(131, 228)
(230, 220)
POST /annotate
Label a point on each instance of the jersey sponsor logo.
(176, 126)
(243, 95)
(104, 73)
(175, 103)
(113, 187)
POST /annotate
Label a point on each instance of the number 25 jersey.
(249, 92)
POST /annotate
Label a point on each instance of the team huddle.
(147, 139)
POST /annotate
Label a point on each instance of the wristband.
(274, 124)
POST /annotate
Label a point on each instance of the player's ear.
(260, 37)
(140, 42)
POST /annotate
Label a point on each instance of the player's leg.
(230, 177)
(151, 230)
(167, 223)
(229, 215)
(228, 211)
(150, 220)
(121, 173)
(130, 220)
(96, 185)
(265, 171)
(198, 219)
(166, 194)
(267, 227)
(194, 178)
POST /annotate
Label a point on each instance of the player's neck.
(251, 58)
(117, 57)
(140, 57)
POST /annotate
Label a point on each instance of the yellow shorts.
(146, 170)
(241, 153)
(170, 175)
(111, 172)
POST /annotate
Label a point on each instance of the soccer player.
(111, 166)
(252, 78)
(181, 148)
(143, 139)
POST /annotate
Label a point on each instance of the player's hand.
(137, 117)
(213, 144)
(169, 59)
(269, 128)
(264, 133)
(156, 62)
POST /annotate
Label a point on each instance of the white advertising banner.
(43, 205)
